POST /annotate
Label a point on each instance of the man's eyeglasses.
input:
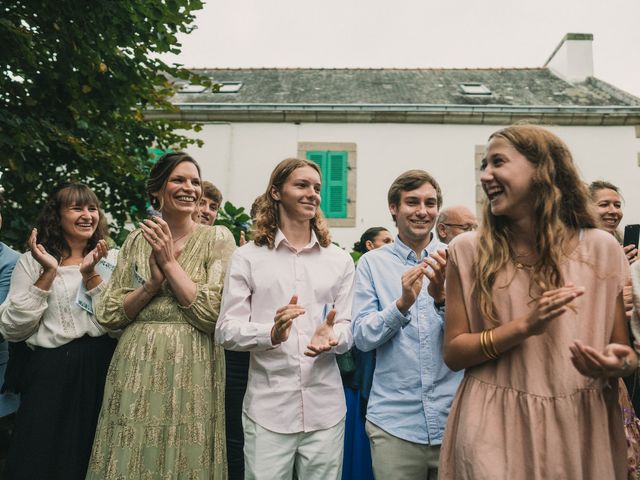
(466, 227)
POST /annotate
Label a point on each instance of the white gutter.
(365, 107)
(396, 113)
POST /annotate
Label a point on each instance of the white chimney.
(572, 60)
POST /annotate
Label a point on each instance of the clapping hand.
(283, 320)
(40, 254)
(324, 338)
(436, 274)
(156, 276)
(613, 361)
(93, 257)
(549, 306)
(157, 233)
(411, 287)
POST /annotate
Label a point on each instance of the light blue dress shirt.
(8, 258)
(412, 387)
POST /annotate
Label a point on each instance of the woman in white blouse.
(49, 305)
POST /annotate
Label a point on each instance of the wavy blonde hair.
(561, 206)
(267, 218)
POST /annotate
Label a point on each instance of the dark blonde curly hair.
(267, 218)
(561, 206)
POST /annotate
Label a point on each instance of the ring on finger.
(625, 363)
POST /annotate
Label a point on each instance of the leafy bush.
(235, 219)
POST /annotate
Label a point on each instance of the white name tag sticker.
(83, 299)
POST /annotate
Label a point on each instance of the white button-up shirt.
(288, 392)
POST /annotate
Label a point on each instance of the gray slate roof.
(509, 86)
(389, 95)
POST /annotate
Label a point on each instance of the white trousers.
(272, 456)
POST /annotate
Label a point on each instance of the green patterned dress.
(162, 415)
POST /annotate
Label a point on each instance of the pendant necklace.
(520, 265)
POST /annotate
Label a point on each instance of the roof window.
(474, 88)
(190, 88)
(229, 87)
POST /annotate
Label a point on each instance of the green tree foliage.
(75, 79)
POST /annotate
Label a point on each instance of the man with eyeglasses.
(453, 221)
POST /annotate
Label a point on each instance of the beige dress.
(530, 414)
(162, 415)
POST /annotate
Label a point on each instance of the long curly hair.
(265, 225)
(49, 220)
(561, 207)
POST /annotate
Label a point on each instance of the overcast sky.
(413, 33)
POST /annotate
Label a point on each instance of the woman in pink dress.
(535, 315)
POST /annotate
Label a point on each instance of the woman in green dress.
(163, 410)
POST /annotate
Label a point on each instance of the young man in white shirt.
(287, 299)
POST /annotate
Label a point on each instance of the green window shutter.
(336, 180)
(333, 166)
(320, 159)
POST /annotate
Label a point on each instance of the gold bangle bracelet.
(483, 343)
(488, 351)
(492, 346)
(86, 282)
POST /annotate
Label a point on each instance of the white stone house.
(366, 126)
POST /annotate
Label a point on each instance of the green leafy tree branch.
(75, 80)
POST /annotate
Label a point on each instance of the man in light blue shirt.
(398, 310)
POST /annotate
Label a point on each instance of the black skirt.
(61, 394)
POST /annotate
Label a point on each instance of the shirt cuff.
(38, 292)
(345, 338)
(394, 318)
(98, 289)
(263, 336)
